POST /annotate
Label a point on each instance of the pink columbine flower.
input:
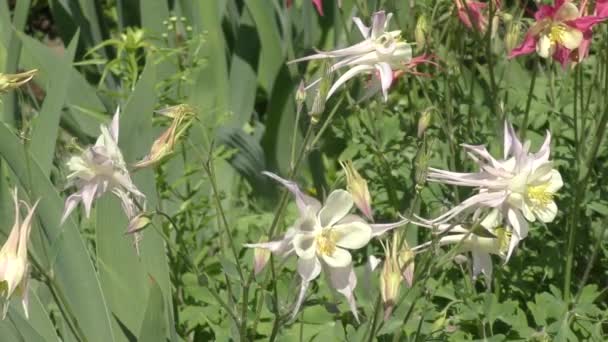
(601, 11)
(559, 30)
(322, 238)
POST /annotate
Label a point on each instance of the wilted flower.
(357, 186)
(321, 238)
(12, 81)
(164, 145)
(521, 186)
(380, 53)
(260, 258)
(559, 30)
(98, 169)
(14, 266)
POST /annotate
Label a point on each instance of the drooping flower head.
(98, 169)
(474, 14)
(380, 53)
(14, 265)
(521, 185)
(322, 237)
(182, 117)
(12, 81)
(495, 240)
(559, 30)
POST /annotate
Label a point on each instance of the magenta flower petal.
(601, 8)
(585, 23)
(544, 11)
(526, 47)
(562, 55)
(319, 6)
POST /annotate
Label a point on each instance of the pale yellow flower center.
(557, 33)
(326, 242)
(539, 196)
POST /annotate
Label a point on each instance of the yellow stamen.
(326, 242)
(539, 196)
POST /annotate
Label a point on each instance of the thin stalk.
(524, 124)
(218, 203)
(596, 248)
(580, 190)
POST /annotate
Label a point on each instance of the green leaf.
(71, 263)
(46, 125)
(154, 327)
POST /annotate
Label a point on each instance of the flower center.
(539, 196)
(557, 33)
(326, 242)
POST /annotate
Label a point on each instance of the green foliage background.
(227, 58)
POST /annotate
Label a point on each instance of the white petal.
(482, 263)
(492, 220)
(304, 245)
(381, 228)
(544, 48)
(512, 145)
(512, 244)
(300, 299)
(565, 12)
(378, 21)
(114, 126)
(547, 213)
(304, 202)
(307, 223)
(362, 28)
(340, 258)
(337, 205)
(555, 182)
(517, 223)
(352, 72)
(386, 77)
(344, 280)
(70, 204)
(309, 269)
(352, 235)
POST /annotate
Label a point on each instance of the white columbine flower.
(14, 266)
(98, 169)
(380, 52)
(321, 238)
(481, 246)
(521, 185)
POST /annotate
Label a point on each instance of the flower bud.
(318, 105)
(424, 122)
(357, 186)
(421, 32)
(164, 145)
(12, 81)
(138, 223)
(406, 264)
(14, 265)
(301, 93)
(512, 36)
(260, 258)
(390, 282)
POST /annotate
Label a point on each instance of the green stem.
(524, 124)
(596, 248)
(580, 189)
